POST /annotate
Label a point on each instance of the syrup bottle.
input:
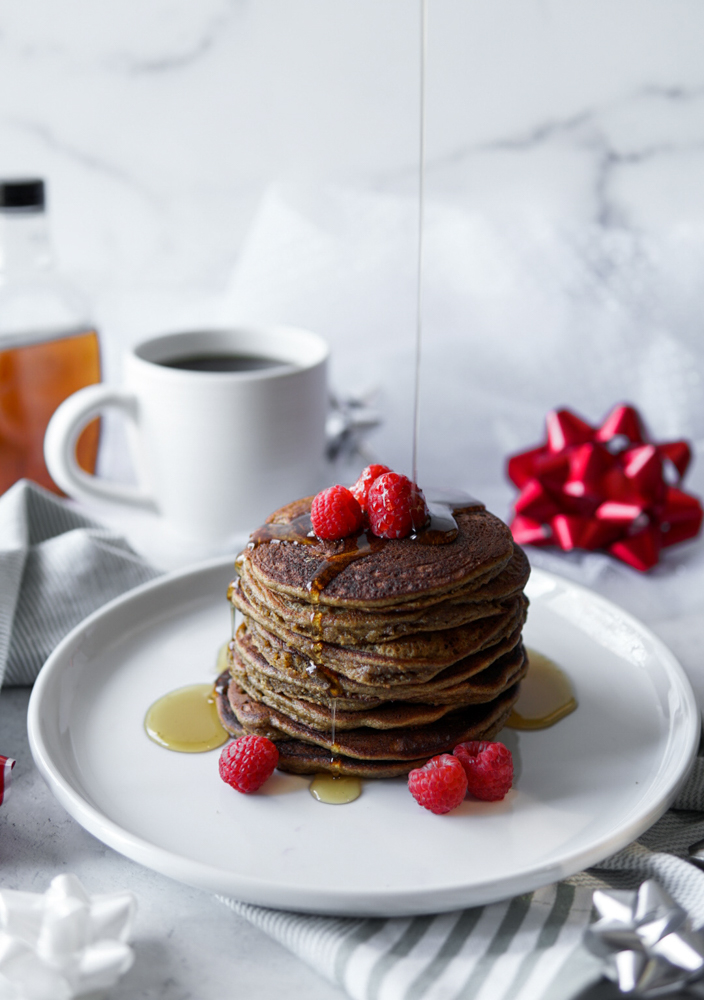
(48, 348)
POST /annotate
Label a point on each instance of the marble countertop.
(187, 944)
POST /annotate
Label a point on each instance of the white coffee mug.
(214, 451)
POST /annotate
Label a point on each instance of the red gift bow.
(604, 488)
(6, 765)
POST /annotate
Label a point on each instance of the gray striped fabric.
(527, 948)
(56, 566)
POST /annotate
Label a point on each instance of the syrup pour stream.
(421, 212)
(441, 529)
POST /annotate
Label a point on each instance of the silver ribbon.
(348, 423)
(647, 942)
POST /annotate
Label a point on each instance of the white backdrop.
(257, 159)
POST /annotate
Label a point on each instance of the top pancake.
(348, 626)
(399, 571)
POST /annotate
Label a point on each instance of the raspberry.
(360, 490)
(335, 513)
(489, 768)
(248, 762)
(395, 506)
(440, 785)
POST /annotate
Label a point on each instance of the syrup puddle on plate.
(335, 791)
(186, 720)
(546, 695)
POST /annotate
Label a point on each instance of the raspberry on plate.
(360, 490)
(488, 766)
(335, 513)
(440, 785)
(248, 762)
(395, 506)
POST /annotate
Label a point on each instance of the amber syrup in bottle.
(48, 348)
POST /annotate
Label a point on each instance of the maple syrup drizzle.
(299, 531)
(334, 747)
(334, 688)
(186, 720)
(546, 695)
(440, 529)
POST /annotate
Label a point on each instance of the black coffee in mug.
(225, 363)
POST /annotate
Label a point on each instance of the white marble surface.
(257, 159)
(187, 944)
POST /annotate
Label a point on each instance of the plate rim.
(377, 902)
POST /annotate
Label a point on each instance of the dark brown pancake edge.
(321, 684)
(314, 620)
(296, 757)
(303, 758)
(299, 757)
(391, 712)
(402, 569)
(420, 653)
(408, 743)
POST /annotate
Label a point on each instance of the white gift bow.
(63, 943)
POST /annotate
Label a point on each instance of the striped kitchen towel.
(56, 567)
(527, 948)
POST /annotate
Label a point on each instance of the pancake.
(297, 679)
(364, 743)
(299, 757)
(349, 714)
(352, 626)
(423, 654)
(399, 570)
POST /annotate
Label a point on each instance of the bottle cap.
(22, 195)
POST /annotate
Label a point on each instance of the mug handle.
(63, 432)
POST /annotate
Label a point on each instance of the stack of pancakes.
(368, 660)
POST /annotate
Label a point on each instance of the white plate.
(584, 788)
